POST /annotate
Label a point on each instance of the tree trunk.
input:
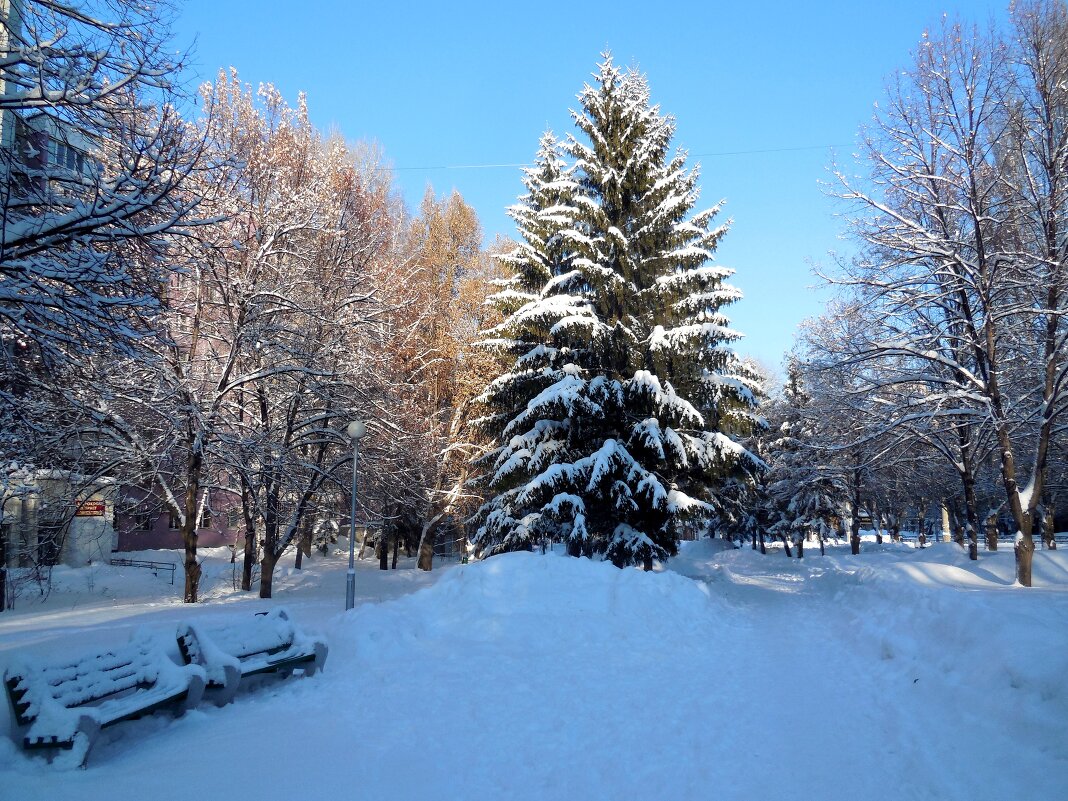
(396, 551)
(786, 547)
(1024, 543)
(3, 568)
(304, 546)
(877, 521)
(957, 527)
(189, 525)
(1024, 549)
(1048, 535)
(647, 564)
(854, 520)
(971, 514)
(272, 488)
(267, 565)
(992, 532)
(383, 548)
(763, 547)
(426, 547)
(800, 543)
(249, 560)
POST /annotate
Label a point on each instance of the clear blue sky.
(442, 85)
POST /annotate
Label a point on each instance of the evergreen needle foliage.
(615, 426)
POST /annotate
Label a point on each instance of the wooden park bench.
(266, 643)
(64, 705)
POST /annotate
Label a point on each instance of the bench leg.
(193, 695)
(78, 754)
(320, 659)
(225, 694)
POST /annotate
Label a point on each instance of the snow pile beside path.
(993, 647)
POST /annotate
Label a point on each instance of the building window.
(142, 521)
(175, 521)
(205, 518)
(66, 157)
(233, 518)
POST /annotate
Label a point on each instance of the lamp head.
(357, 429)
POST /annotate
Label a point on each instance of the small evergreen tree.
(802, 496)
(616, 425)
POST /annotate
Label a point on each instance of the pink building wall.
(160, 535)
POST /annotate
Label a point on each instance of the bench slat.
(64, 706)
(268, 643)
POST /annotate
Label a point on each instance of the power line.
(691, 155)
(463, 167)
(765, 150)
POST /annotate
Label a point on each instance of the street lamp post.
(356, 431)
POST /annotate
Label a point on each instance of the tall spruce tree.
(615, 426)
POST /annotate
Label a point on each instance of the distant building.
(50, 517)
(37, 144)
(47, 157)
(143, 522)
(9, 24)
(10, 28)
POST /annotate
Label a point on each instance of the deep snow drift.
(899, 674)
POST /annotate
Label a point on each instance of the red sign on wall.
(90, 509)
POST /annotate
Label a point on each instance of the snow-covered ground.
(898, 674)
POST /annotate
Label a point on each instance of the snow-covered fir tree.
(615, 426)
(803, 495)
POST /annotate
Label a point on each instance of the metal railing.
(155, 567)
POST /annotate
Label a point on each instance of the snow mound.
(549, 601)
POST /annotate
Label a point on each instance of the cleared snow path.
(900, 674)
(897, 675)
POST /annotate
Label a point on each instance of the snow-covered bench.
(64, 705)
(266, 643)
